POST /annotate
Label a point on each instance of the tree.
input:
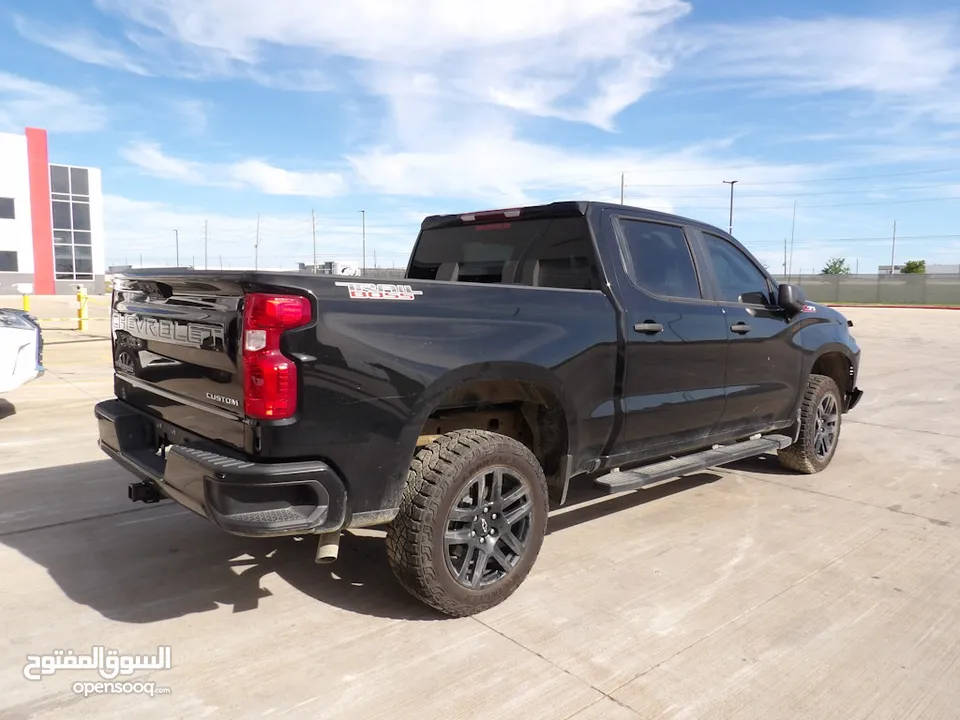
(918, 267)
(836, 266)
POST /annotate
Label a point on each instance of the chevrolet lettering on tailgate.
(192, 334)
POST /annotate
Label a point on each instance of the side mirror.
(790, 297)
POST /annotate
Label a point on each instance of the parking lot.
(742, 593)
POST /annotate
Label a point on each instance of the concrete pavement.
(742, 593)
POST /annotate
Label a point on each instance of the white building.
(51, 219)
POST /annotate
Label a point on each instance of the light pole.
(176, 234)
(731, 183)
(363, 220)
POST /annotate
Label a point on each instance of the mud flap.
(559, 483)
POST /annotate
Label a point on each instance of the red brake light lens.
(282, 312)
(270, 377)
(489, 214)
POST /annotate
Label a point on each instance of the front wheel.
(471, 523)
(820, 415)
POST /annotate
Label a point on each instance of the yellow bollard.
(26, 303)
(82, 308)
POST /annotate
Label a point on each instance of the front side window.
(739, 279)
(658, 259)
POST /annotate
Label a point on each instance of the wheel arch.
(835, 361)
(522, 383)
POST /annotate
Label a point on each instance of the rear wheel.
(471, 522)
(819, 427)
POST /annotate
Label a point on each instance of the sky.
(234, 115)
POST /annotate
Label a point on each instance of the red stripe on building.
(39, 168)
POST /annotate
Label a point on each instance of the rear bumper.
(241, 497)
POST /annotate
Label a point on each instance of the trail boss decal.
(370, 291)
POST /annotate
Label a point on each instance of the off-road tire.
(802, 456)
(435, 484)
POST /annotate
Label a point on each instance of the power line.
(787, 207)
(754, 167)
(820, 192)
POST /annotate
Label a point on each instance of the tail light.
(269, 376)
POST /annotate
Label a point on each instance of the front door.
(763, 363)
(673, 386)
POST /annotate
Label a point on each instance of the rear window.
(555, 253)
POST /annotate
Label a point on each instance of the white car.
(21, 349)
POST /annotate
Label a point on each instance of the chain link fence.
(879, 289)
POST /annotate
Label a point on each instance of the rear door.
(175, 353)
(673, 384)
(763, 363)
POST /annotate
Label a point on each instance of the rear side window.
(555, 253)
(658, 259)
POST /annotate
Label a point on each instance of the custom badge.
(809, 308)
(371, 291)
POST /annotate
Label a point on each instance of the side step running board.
(616, 482)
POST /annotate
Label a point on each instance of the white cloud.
(82, 45)
(28, 102)
(150, 158)
(277, 181)
(573, 60)
(498, 167)
(907, 56)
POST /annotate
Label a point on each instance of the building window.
(8, 261)
(7, 209)
(59, 179)
(70, 209)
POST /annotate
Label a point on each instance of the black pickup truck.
(522, 349)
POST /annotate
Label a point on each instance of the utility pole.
(731, 183)
(793, 230)
(621, 187)
(363, 218)
(313, 224)
(141, 259)
(256, 246)
(176, 234)
(785, 258)
(221, 262)
(893, 247)
(204, 244)
(374, 258)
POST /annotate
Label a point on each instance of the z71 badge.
(371, 291)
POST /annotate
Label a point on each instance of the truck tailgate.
(175, 353)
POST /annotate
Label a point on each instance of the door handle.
(649, 327)
(741, 328)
